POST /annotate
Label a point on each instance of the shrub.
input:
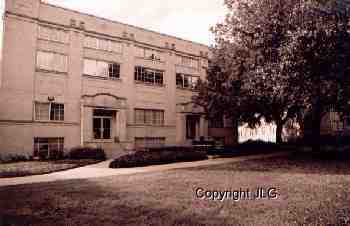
(155, 156)
(87, 153)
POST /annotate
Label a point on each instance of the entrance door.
(102, 123)
(192, 125)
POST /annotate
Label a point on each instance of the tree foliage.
(279, 59)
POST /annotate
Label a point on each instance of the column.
(81, 123)
(122, 125)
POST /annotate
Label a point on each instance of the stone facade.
(47, 56)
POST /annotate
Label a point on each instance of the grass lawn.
(19, 169)
(311, 192)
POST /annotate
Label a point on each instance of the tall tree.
(317, 57)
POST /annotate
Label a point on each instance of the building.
(70, 79)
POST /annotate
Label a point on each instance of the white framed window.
(147, 142)
(149, 76)
(48, 147)
(185, 81)
(149, 117)
(103, 44)
(147, 53)
(49, 111)
(101, 68)
(53, 34)
(187, 61)
(51, 61)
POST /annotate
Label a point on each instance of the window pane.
(103, 44)
(57, 112)
(139, 116)
(90, 67)
(187, 81)
(44, 33)
(148, 117)
(116, 47)
(114, 70)
(106, 128)
(90, 42)
(97, 128)
(179, 80)
(44, 60)
(139, 52)
(42, 111)
(194, 82)
(102, 69)
(159, 78)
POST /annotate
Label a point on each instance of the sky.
(187, 19)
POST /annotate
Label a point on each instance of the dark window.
(102, 121)
(149, 76)
(149, 117)
(48, 147)
(216, 122)
(114, 70)
(57, 112)
(186, 81)
(192, 122)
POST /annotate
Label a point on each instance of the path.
(102, 170)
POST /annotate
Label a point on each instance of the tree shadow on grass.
(299, 162)
(83, 202)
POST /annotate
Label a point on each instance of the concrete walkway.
(102, 170)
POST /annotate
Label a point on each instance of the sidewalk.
(102, 170)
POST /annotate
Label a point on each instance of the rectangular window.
(147, 53)
(186, 81)
(101, 68)
(150, 76)
(102, 123)
(103, 44)
(52, 61)
(192, 123)
(149, 117)
(147, 142)
(187, 61)
(53, 34)
(216, 122)
(48, 147)
(49, 111)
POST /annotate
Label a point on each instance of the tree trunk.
(235, 130)
(316, 126)
(279, 130)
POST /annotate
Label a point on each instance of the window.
(103, 44)
(147, 53)
(150, 76)
(52, 61)
(48, 147)
(144, 142)
(187, 61)
(49, 111)
(192, 122)
(216, 122)
(186, 81)
(149, 117)
(102, 121)
(53, 34)
(101, 69)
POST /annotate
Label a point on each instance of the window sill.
(102, 141)
(102, 78)
(105, 51)
(50, 121)
(149, 84)
(53, 41)
(149, 59)
(193, 68)
(187, 89)
(51, 71)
